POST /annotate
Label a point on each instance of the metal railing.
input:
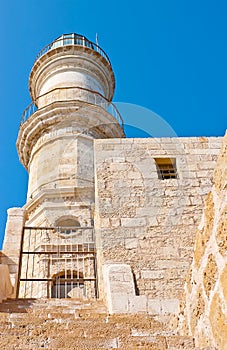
(57, 262)
(62, 94)
(72, 39)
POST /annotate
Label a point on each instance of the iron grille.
(58, 263)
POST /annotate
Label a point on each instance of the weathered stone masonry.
(204, 307)
(147, 223)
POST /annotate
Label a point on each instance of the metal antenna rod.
(96, 39)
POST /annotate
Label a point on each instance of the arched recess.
(68, 284)
(67, 224)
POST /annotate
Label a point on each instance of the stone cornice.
(54, 195)
(85, 118)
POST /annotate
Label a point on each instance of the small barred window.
(166, 168)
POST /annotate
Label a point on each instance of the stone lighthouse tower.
(71, 85)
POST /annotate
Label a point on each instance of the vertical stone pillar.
(12, 243)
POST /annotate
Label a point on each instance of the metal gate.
(57, 263)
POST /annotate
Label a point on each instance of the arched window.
(68, 284)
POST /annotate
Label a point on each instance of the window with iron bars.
(166, 168)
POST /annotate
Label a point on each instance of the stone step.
(15, 307)
(81, 342)
(81, 324)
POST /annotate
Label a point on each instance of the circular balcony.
(73, 94)
(72, 39)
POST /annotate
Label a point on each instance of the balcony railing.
(72, 39)
(73, 94)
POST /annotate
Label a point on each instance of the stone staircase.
(74, 324)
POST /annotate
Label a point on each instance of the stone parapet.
(120, 291)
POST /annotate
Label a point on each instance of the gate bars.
(57, 263)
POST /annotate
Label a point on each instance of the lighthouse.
(71, 86)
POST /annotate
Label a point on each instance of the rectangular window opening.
(166, 168)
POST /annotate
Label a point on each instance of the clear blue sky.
(168, 56)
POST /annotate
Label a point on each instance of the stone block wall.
(204, 310)
(146, 222)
